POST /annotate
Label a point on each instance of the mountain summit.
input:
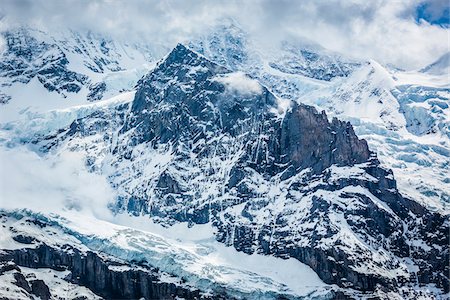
(204, 145)
(211, 100)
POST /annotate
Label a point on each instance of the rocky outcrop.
(23, 51)
(40, 289)
(108, 279)
(96, 91)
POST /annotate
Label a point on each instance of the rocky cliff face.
(26, 58)
(110, 280)
(69, 62)
(201, 144)
(103, 275)
(188, 96)
(384, 105)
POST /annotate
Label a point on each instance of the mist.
(388, 31)
(52, 184)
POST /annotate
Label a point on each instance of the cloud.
(53, 184)
(384, 30)
(379, 29)
(240, 83)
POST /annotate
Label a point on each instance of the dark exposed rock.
(24, 239)
(40, 289)
(96, 91)
(7, 266)
(168, 185)
(22, 282)
(4, 98)
(93, 272)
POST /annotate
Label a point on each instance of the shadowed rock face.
(308, 140)
(200, 144)
(184, 99)
(40, 289)
(94, 272)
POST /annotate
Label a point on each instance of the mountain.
(200, 144)
(403, 115)
(67, 67)
(224, 135)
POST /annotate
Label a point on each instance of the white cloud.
(53, 184)
(380, 29)
(240, 83)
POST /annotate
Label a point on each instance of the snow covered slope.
(41, 70)
(200, 144)
(439, 67)
(190, 262)
(404, 116)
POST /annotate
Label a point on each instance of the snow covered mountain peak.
(203, 92)
(219, 135)
(190, 149)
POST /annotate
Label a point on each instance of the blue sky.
(435, 12)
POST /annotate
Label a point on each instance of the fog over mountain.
(391, 32)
